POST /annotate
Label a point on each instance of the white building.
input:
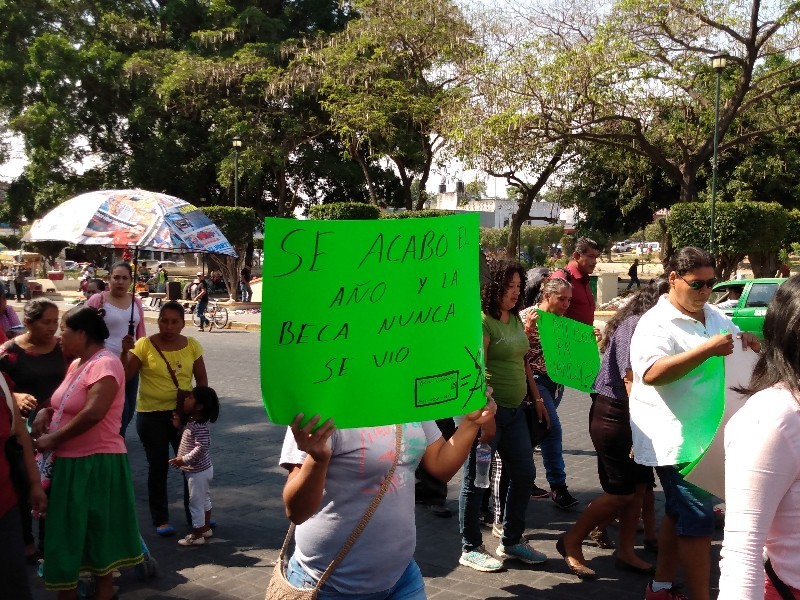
(497, 212)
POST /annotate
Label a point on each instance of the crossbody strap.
(364, 519)
(782, 589)
(169, 367)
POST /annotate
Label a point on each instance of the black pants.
(157, 435)
(428, 489)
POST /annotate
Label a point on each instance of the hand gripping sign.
(371, 322)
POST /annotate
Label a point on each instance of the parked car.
(749, 310)
(621, 247)
(152, 264)
(71, 265)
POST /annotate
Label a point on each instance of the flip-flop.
(165, 530)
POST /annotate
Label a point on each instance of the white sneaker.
(209, 533)
(190, 540)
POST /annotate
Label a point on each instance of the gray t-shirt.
(361, 458)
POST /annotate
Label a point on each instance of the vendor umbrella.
(132, 219)
(135, 219)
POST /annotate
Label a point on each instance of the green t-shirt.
(505, 367)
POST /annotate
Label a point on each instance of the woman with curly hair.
(505, 345)
(623, 481)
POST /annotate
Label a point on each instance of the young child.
(201, 407)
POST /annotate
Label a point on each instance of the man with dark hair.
(577, 272)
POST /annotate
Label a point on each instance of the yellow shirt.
(156, 388)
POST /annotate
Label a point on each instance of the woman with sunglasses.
(673, 385)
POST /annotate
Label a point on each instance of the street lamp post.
(237, 147)
(718, 63)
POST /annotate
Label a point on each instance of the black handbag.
(538, 430)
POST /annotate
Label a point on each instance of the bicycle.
(215, 314)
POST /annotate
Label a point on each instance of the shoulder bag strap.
(362, 523)
(782, 589)
(169, 367)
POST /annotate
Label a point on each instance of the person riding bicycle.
(201, 297)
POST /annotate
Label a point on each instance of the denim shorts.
(410, 586)
(691, 508)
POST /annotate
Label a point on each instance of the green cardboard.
(713, 369)
(371, 322)
(570, 351)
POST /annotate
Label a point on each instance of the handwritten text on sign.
(371, 322)
(570, 351)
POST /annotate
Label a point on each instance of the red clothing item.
(8, 497)
(582, 306)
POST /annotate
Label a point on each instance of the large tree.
(150, 94)
(649, 86)
(386, 79)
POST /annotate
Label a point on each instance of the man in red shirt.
(581, 308)
(577, 271)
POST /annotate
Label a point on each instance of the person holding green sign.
(505, 346)
(676, 404)
(623, 481)
(555, 297)
(333, 479)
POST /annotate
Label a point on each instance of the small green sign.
(570, 351)
(371, 322)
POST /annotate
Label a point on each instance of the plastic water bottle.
(483, 461)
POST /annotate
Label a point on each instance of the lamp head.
(719, 61)
(237, 142)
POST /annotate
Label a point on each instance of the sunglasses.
(698, 284)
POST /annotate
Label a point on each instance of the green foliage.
(792, 228)
(740, 228)
(496, 238)
(341, 211)
(236, 223)
(50, 250)
(414, 214)
(10, 241)
(386, 79)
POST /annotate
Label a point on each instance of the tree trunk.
(355, 152)
(517, 219)
(688, 183)
(229, 267)
(408, 200)
(280, 178)
(726, 265)
(764, 264)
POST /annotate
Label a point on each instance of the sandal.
(600, 537)
(190, 540)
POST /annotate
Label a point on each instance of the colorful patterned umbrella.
(132, 219)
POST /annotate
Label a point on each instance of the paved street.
(238, 561)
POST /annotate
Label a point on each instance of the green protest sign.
(570, 351)
(371, 322)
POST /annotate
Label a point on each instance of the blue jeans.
(552, 451)
(200, 309)
(245, 291)
(691, 508)
(513, 442)
(410, 586)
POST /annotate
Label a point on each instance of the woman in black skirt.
(622, 480)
